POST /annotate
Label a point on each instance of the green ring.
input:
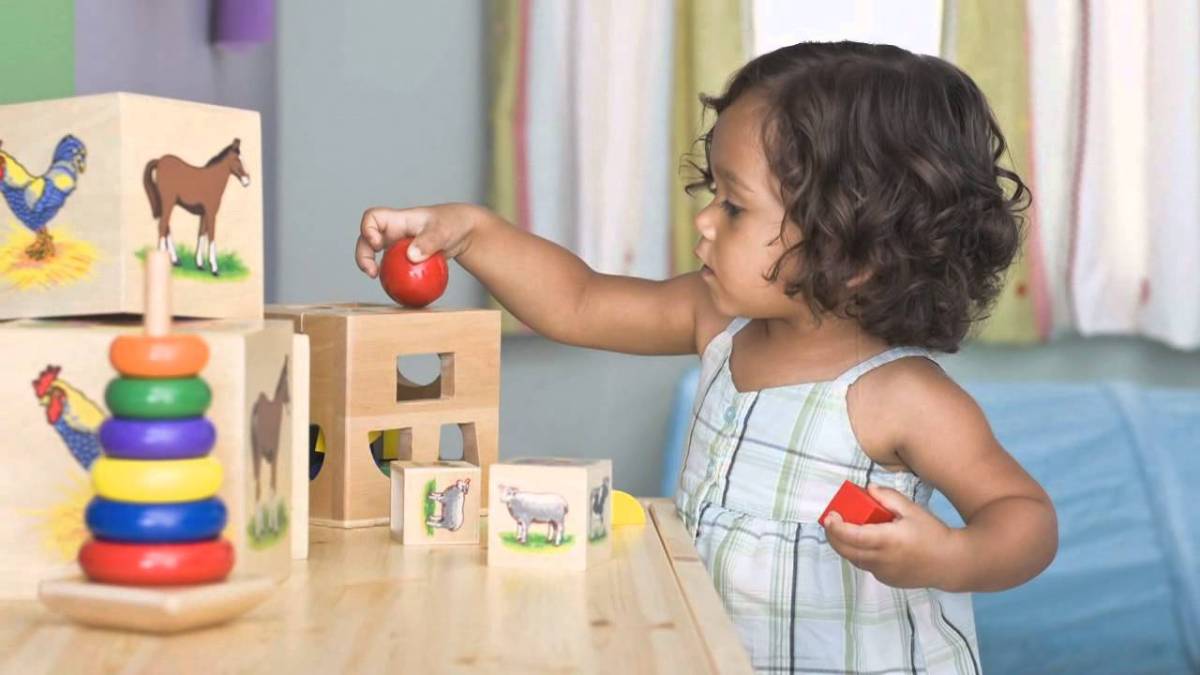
(156, 399)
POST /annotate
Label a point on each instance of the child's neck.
(768, 352)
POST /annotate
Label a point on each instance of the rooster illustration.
(72, 414)
(35, 200)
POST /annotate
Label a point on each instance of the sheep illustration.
(454, 503)
(535, 507)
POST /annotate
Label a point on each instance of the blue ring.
(183, 438)
(155, 523)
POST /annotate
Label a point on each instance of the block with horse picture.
(91, 183)
(56, 393)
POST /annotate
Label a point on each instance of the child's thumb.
(415, 254)
(424, 245)
(892, 500)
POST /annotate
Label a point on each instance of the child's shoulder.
(912, 384)
(891, 402)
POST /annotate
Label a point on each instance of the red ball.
(199, 562)
(412, 284)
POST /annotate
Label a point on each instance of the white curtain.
(1136, 248)
(594, 144)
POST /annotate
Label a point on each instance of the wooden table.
(362, 603)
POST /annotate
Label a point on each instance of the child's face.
(740, 229)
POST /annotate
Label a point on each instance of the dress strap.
(851, 376)
(737, 324)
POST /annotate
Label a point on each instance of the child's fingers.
(867, 537)
(364, 255)
(382, 227)
(860, 557)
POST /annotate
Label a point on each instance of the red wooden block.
(856, 505)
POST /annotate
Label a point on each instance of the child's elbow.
(1047, 537)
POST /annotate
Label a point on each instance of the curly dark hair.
(888, 163)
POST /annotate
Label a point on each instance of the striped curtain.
(711, 43)
(593, 104)
(988, 41)
(1135, 228)
(1100, 100)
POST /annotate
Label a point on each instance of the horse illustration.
(266, 421)
(170, 181)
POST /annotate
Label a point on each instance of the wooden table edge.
(699, 594)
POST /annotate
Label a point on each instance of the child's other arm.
(547, 287)
(922, 420)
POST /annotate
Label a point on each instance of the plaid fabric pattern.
(759, 469)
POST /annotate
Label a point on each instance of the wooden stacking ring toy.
(158, 356)
(184, 438)
(157, 399)
(156, 482)
(156, 521)
(156, 564)
(148, 523)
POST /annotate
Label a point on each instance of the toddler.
(860, 222)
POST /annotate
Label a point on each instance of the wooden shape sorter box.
(56, 374)
(358, 389)
(550, 513)
(89, 184)
(435, 503)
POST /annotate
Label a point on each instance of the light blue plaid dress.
(759, 469)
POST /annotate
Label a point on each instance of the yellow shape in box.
(626, 510)
(156, 481)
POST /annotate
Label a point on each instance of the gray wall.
(381, 103)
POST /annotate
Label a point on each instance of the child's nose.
(705, 222)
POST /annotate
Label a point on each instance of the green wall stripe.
(37, 50)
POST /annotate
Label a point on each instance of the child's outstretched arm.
(938, 431)
(544, 285)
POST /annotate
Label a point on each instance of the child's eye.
(732, 209)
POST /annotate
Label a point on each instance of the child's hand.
(446, 228)
(909, 552)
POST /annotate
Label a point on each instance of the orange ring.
(175, 355)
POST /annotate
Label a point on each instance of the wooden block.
(357, 389)
(90, 165)
(299, 443)
(154, 610)
(44, 491)
(550, 513)
(435, 502)
(855, 505)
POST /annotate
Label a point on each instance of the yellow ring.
(156, 481)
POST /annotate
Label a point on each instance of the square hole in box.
(455, 442)
(424, 376)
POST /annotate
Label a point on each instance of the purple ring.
(182, 438)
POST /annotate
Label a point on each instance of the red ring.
(156, 564)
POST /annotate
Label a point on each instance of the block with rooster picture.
(89, 184)
(54, 391)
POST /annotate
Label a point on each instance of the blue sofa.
(1119, 461)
